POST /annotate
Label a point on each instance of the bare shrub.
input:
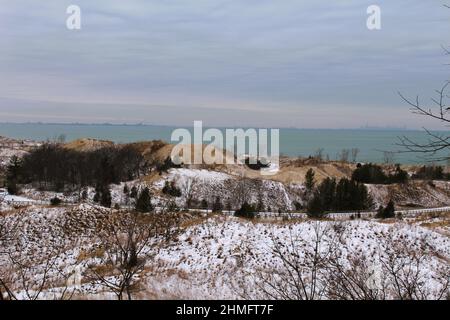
(129, 241)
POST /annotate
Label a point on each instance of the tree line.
(53, 167)
(333, 195)
(372, 173)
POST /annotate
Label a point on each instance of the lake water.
(293, 142)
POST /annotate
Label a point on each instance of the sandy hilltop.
(279, 191)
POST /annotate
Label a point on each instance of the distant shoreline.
(219, 127)
(371, 143)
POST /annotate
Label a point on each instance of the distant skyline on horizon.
(259, 63)
(365, 127)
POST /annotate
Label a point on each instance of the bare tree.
(32, 278)
(127, 243)
(6, 230)
(30, 271)
(407, 275)
(349, 278)
(355, 152)
(344, 155)
(437, 143)
(302, 264)
(189, 190)
(401, 273)
(388, 157)
(437, 146)
(326, 267)
(318, 154)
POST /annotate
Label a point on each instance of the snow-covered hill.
(217, 256)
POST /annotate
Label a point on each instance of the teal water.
(293, 142)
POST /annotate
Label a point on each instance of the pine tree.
(134, 192)
(12, 187)
(380, 212)
(13, 168)
(217, 206)
(97, 194)
(204, 204)
(102, 196)
(171, 189)
(229, 206)
(315, 207)
(12, 175)
(389, 211)
(143, 202)
(105, 199)
(126, 192)
(309, 180)
(246, 211)
(84, 194)
(260, 205)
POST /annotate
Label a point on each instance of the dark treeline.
(54, 167)
(346, 194)
(372, 173)
(431, 173)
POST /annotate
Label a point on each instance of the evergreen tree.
(351, 195)
(370, 173)
(217, 206)
(315, 207)
(389, 211)
(102, 196)
(126, 192)
(12, 187)
(55, 201)
(246, 211)
(400, 175)
(143, 202)
(12, 175)
(13, 168)
(345, 195)
(84, 195)
(171, 189)
(380, 212)
(327, 193)
(204, 204)
(309, 180)
(133, 192)
(229, 206)
(97, 194)
(105, 199)
(260, 205)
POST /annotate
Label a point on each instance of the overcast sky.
(271, 63)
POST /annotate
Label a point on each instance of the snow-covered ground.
(12, 147)
(216, 257)
(12, 198)
(212, 259)
(231, 190)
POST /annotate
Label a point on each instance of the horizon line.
(365, 127)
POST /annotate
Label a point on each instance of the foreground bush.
(246, 211)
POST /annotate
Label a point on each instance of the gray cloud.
(260, 62)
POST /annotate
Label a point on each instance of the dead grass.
(88, 144)
(90, 254)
